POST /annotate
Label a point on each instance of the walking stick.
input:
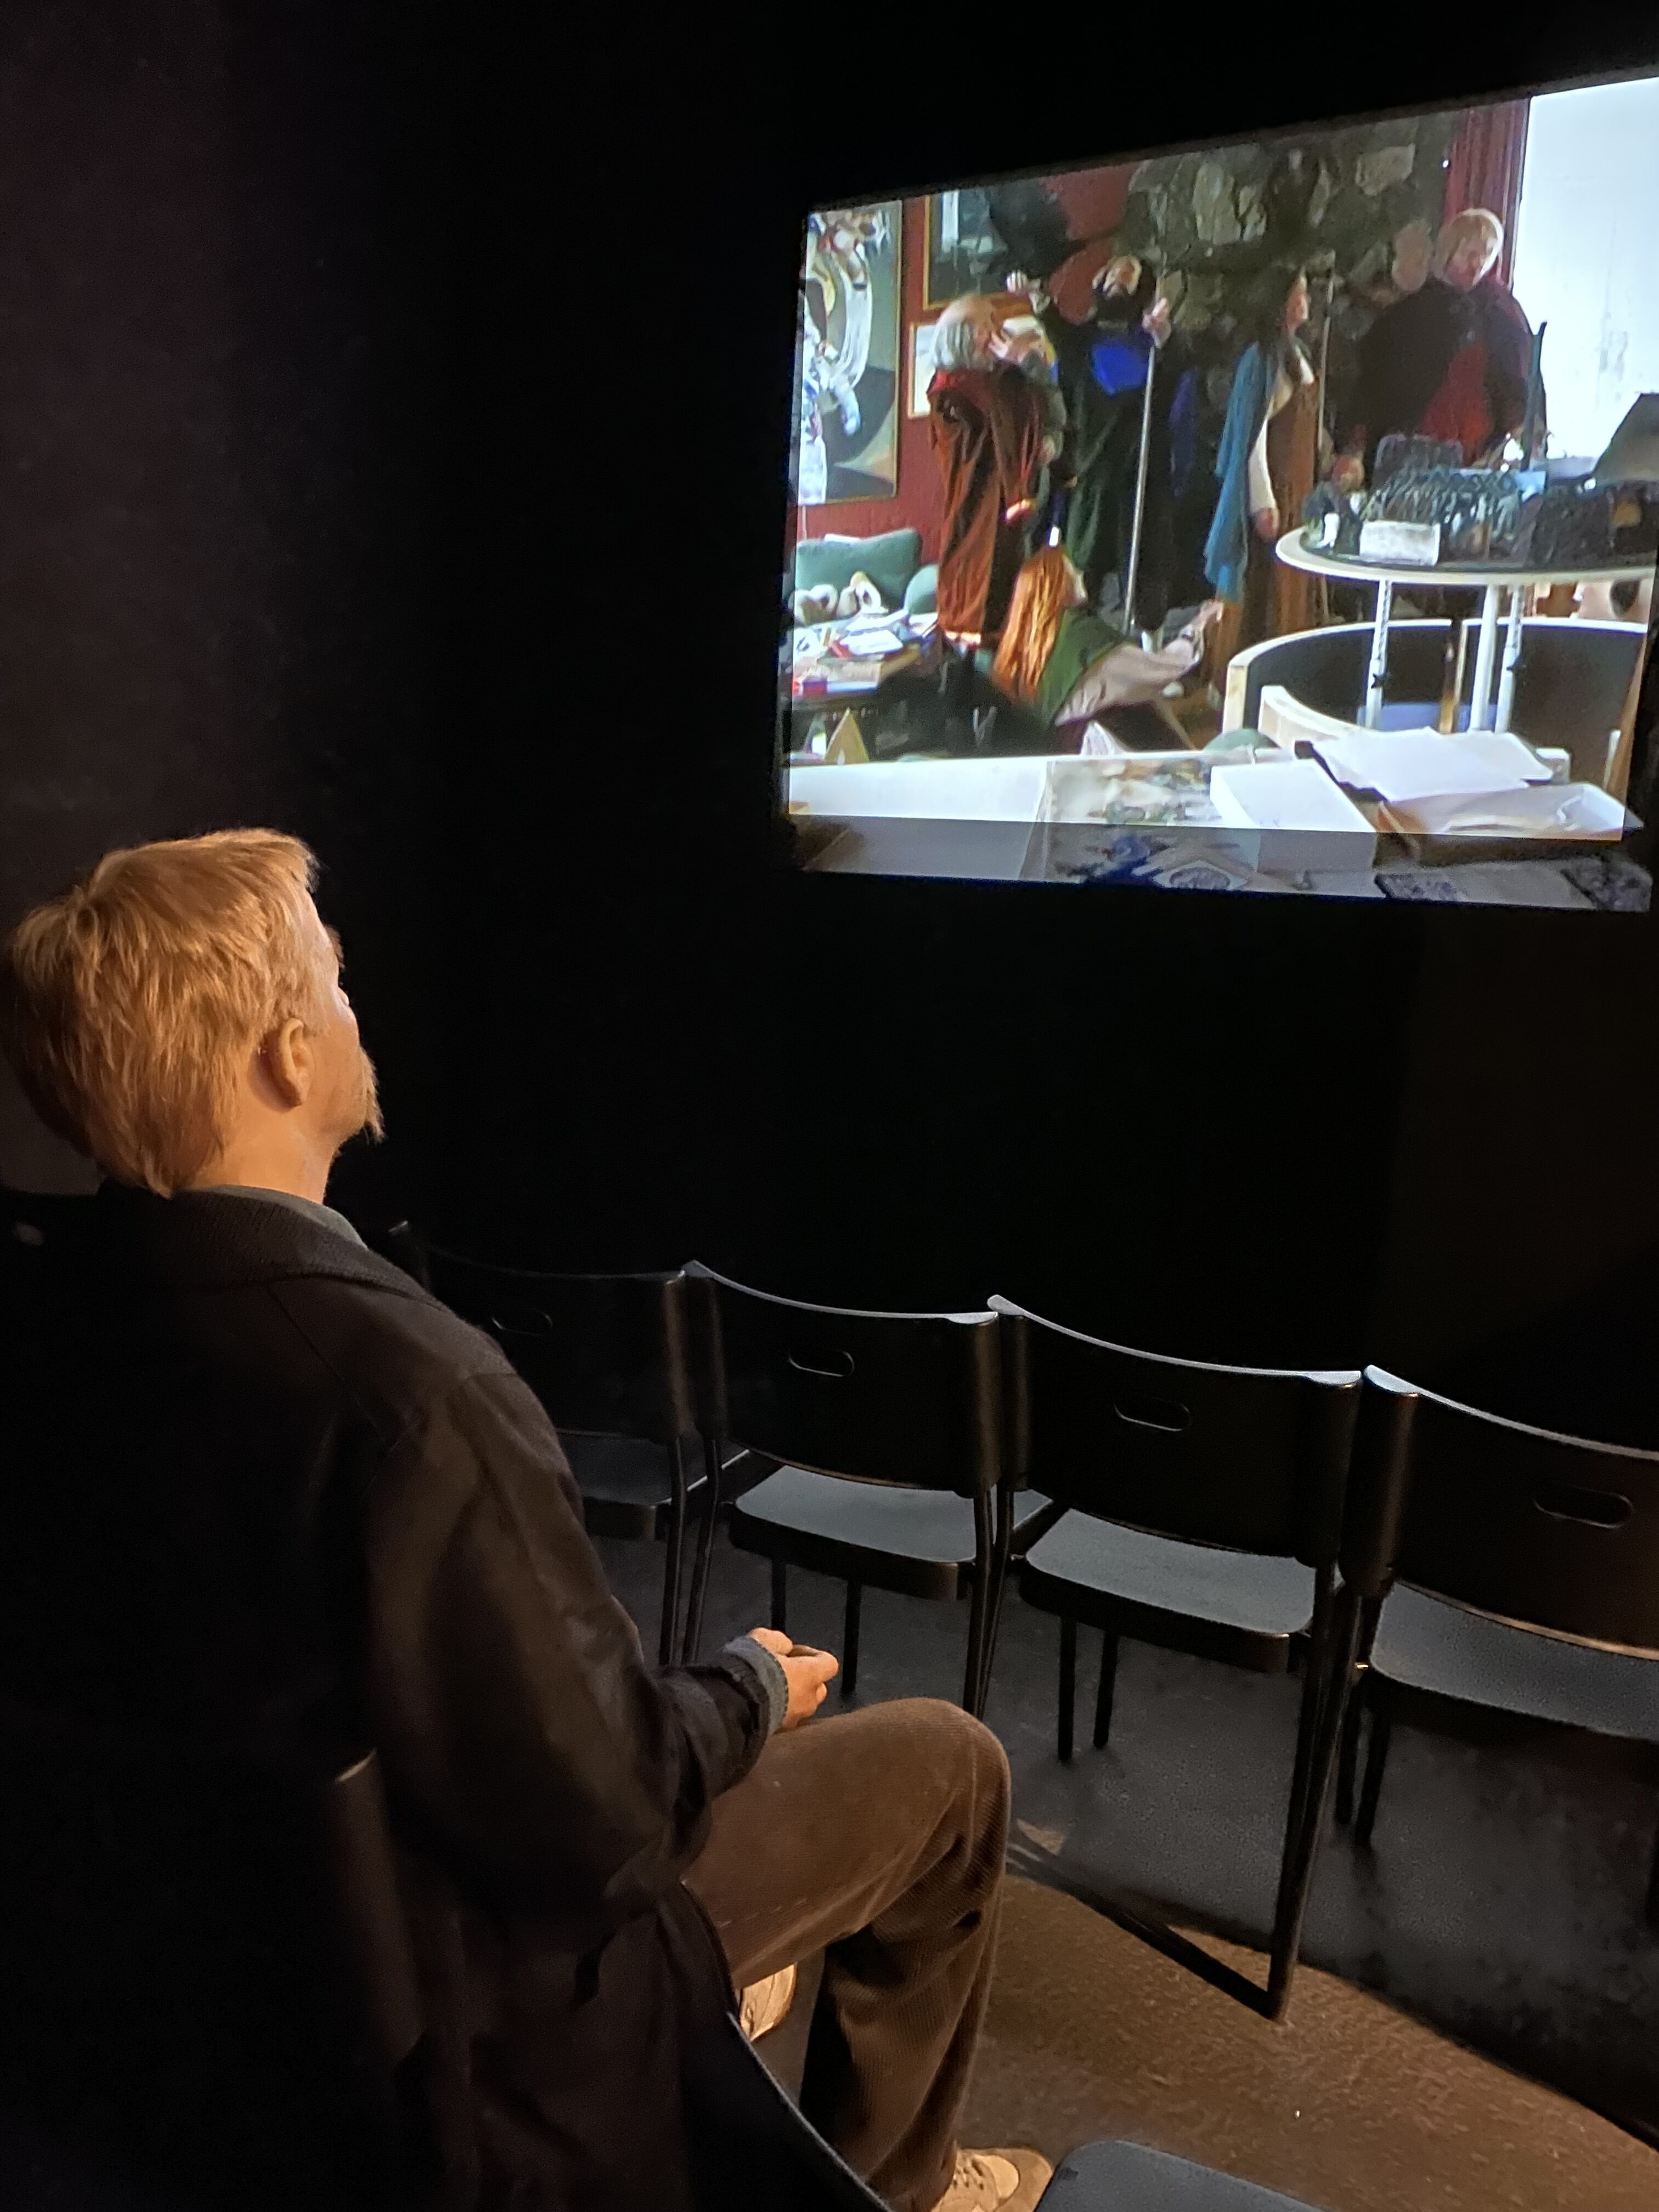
(1132, 581)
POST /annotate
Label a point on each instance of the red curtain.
(1484, 164)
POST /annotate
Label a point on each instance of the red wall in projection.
(1093, 200)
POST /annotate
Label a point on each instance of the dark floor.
(1501, 1902)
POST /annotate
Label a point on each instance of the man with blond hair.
(1449, 360)
(276, 1484)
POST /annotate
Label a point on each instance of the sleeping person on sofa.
(1067, 665)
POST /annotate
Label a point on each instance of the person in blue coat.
(1265, 467)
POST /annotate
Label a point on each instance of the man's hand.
(1017, 280)
(1155, 321)
(1208, 615)
(1266, 522)
(810, 1673)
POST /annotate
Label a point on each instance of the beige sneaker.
(996, 2181)
(765, 2005)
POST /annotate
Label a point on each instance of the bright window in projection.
(1589, 202)
(1275, 517)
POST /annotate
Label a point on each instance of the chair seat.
(1443, 1650)
(625, 1482)
(1232, 1606)
(919, 1542)
(1124, 2177)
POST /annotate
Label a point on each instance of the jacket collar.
(207, 1239)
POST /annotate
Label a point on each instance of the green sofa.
(890, 562)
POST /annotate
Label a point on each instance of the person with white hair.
(1449, 360)
(990, 426)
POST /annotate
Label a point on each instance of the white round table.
(1490, 578)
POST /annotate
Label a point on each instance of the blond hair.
(1462, 227)
(126, 1004)
(1047, 585)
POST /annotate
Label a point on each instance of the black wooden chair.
(208, 1994)
(611, 1358)
(1517, 1573)
(888, 1427)
(1206, 1515)
(1127, 2177)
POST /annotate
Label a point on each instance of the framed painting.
(963, 243)
(850, 355)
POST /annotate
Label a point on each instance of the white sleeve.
(1260, 479)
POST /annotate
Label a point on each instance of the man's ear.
(286, 1057)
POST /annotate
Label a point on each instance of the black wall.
(392, 416)
(223, 391)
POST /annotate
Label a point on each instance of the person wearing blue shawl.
(1265, 467)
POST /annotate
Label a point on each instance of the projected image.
(1279, 516)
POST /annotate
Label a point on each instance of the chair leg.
(780, 1596)
(1001, 1554)
(674, 1555)
(1376, 1753)
(979, 1608)
(1067, 1681)
(849, 1655)
(1107, 1685)
(1316, 1667)
(1327, 1699)
(710, 1514)
(1359, 1705)
(1348, 1763)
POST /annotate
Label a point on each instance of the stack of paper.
(1404, 766)
(1550, 810)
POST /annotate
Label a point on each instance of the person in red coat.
(989, 432)
(1451, 360)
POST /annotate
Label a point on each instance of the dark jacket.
(258, 1480)
(1406, 354)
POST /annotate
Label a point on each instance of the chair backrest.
(1282, 717)
(1553, 1531)
(912, 1399)
(613, 1354)
(1253, 1459)
(206, 1980)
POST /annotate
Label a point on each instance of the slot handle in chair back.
(1190, 1462)
(1504, 1568)
(1557, 1533)
(876, 1401)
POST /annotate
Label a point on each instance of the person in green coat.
(1068, 664)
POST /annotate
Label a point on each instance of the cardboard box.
(1288, 816)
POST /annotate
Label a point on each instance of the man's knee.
(960, 1749)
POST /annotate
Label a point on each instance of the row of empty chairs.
(1372, 1537)
(1365, 1533)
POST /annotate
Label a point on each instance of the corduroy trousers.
(877, 1837)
